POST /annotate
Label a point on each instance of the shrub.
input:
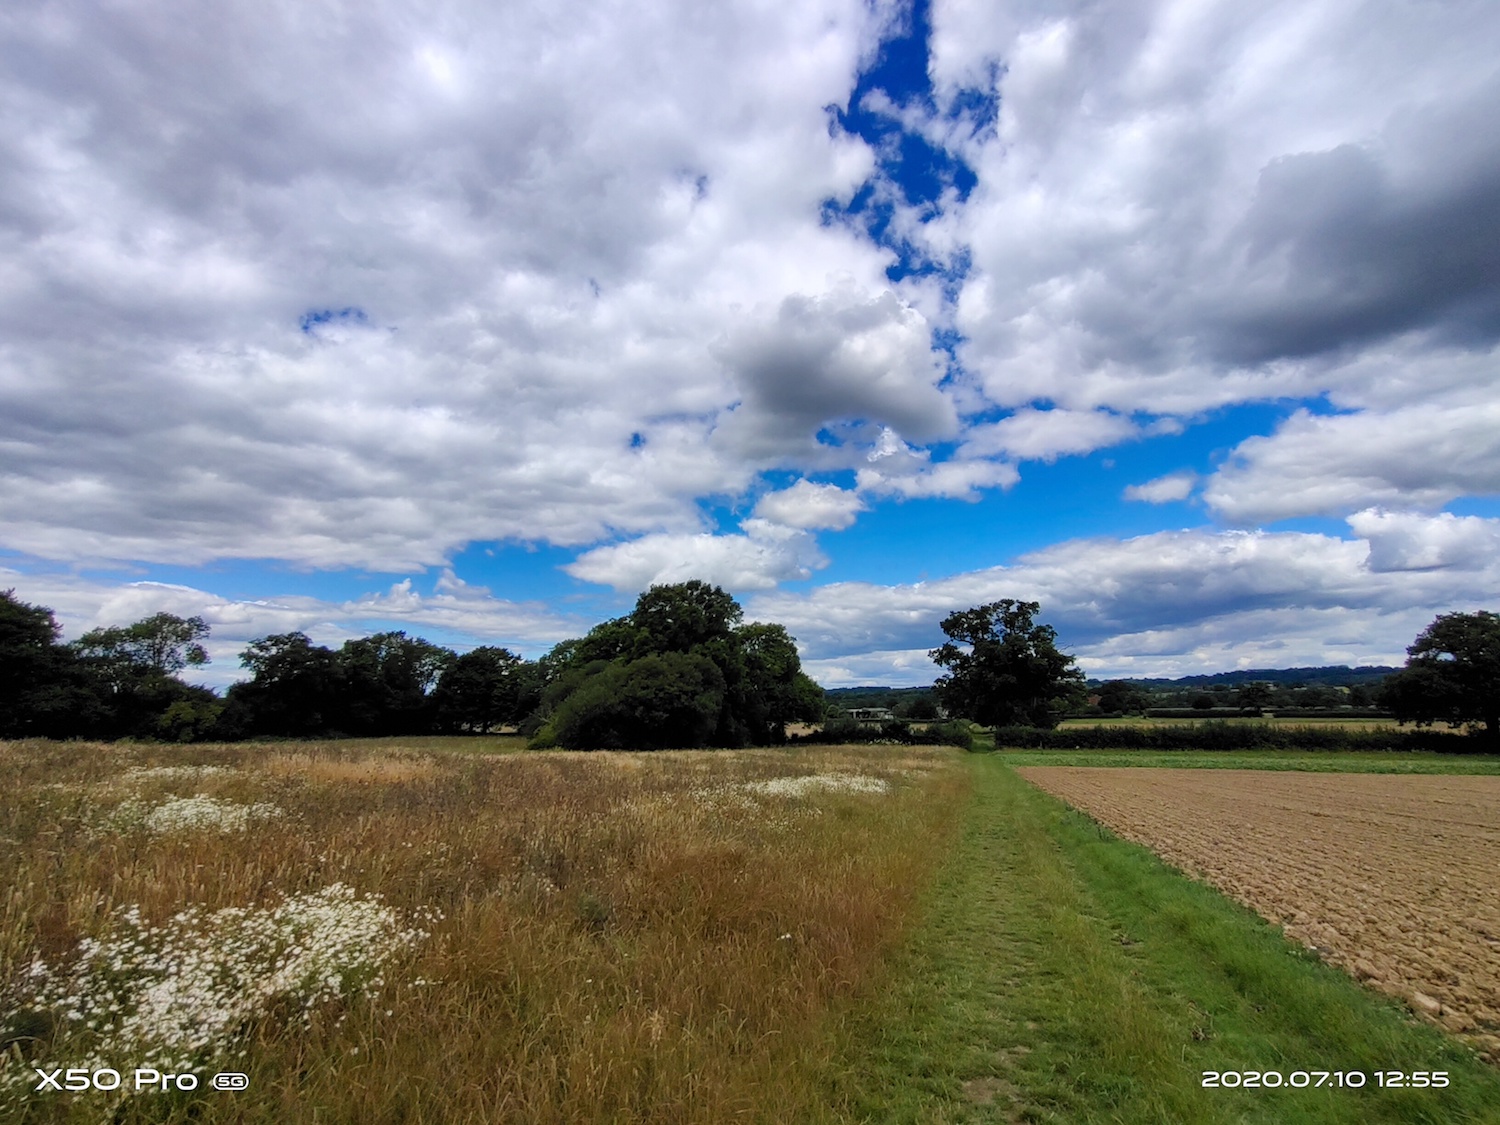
(843, 731)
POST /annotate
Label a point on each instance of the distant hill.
(1332, 675)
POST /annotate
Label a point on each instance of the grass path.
(1063, 975)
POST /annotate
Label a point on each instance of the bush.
(658, 701)
(952, 733)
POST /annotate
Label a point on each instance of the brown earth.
(1396, 878)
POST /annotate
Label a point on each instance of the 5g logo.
(230, 1080)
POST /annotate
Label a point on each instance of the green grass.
(1063, 975)
(1362, 723)
(1315, 761)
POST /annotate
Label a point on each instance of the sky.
(475, 320)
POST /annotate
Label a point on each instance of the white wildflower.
(183, 990)
(804, 786)
(200, 813)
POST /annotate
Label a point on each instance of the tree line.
(1005, 671)
(682, 669)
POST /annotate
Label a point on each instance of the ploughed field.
(1396, 878)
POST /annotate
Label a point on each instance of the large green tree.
(1004, 669)
(42, 691)
(1452, 674)
(643, 680)
(388, 681)
(662, 700)
(133, 671)
(155, 647)
(485, 688)
(295, 688)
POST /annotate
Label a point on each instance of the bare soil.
(1395, 878)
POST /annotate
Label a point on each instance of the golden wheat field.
(1394, 878)
(370, 933)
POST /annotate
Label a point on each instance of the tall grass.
(567, 937)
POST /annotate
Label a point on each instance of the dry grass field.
(375, 934)
(1395, 878)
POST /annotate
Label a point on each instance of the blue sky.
(1180, 319)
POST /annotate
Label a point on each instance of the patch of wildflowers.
(172, 994)
(199, 813)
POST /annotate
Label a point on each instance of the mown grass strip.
(1063, 975)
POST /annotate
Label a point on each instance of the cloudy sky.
(476, 319)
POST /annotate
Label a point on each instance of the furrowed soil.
(1394, 878)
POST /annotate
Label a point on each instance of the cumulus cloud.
(1415, 541)
(1047, 434)
(1164, 490)
(1180, 206)
(475, 293)
(955, 479)
(846, 356)
(811, 506)
(766, 554)
(1422, 455)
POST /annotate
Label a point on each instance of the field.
(450, 930)
(1397, 879)
(389, 935)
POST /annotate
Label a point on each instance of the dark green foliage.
(296, 689)
(660, 701)
(922, 708)
(1254, 696)
(159, 645)
(387, 681)
(131, 675)
(1234, 736)
(486, 688)
(1003, 668)
(899, 700)
(1452, 674)
(1118, 697)
(112, 682)
(615, 687)
(43, 690)
(377, 685)
(682, 616)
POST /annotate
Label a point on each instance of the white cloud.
(1417, 456)
(506, 280)
(1181, 206)
(1045, 435)
(955, 480)
(811, 506)
(1414, 541)
(849, 356)
(767, 554)
(1164, 490)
